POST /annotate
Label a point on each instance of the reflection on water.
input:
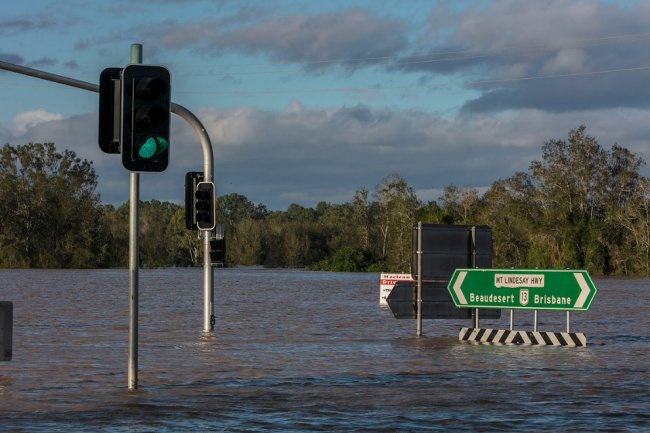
(295, 350)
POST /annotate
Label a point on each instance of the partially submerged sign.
(6, 329)
(386, 283)
(532, 289)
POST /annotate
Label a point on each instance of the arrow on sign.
(585, 290)
(457, 286)
(533, 289)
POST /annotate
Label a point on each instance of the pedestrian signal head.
(205, 206)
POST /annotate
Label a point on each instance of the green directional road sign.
(531, 289)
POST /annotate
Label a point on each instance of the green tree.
(398, 204)
(49, 208)
(430, 213)
(114, 235)
(334, 222)
(347, 259)
(510, 210)
(571, 181)
(245, 243)
(185, 245)
(232, 208)
(629, 232)
(361, 220)
(626, 217)
(460, 205)
(155, 247)
(579, 206)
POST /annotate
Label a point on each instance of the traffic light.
(110, 106)
(204, 206)
(192, 179)
(218, 250)
(146, 104)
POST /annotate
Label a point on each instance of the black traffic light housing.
(218, 250)
(192, 179)
(146, 106)
(110, 108)
(204, 206)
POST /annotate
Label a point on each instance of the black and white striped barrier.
(503, 336)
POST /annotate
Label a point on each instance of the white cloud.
(499, 40)
(21, 122)
(566, 61)
(318, 40)
(318, 154)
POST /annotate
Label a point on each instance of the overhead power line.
(432, 57)
(393, 61)
(448, 84)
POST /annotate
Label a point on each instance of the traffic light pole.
(208, 276)
(208, 273)
(418, 311)
(134, 262)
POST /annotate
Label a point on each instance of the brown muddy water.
(306, 351)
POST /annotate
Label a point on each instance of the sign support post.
(472, 233)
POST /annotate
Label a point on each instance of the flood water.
(306, 351)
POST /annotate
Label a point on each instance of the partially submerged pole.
(418, 314)
(134, 265)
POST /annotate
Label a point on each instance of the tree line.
(579, 206)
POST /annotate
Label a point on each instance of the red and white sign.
(387, 282)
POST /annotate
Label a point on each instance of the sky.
(309, 100)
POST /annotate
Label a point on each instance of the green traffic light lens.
(148, 148)
(153, 146)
